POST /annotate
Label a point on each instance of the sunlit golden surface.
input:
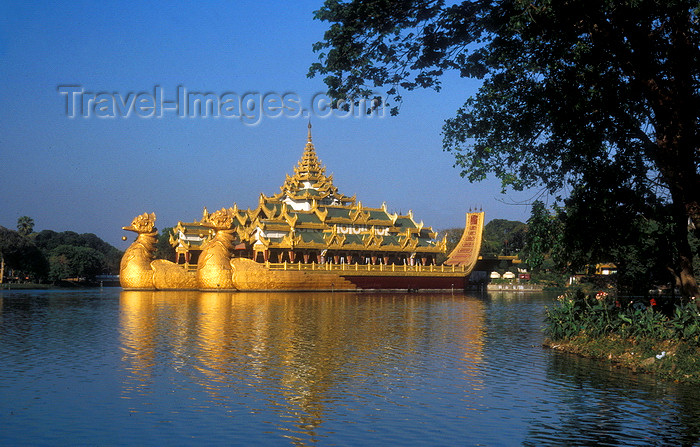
(296, 347)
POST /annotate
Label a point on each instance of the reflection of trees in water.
(687, 414)
(305, 352)
(599, 404)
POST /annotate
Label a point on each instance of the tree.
(608, 227)
(48, 240)
(540, 236)
(20, 253)
(503, 237)
(25, 225)
(571, 90)
(164, 250)
(70, 261)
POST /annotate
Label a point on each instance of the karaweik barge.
(306, 237)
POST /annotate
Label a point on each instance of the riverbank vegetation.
(600, 244)
(658, 335)
(596, 102)
(53, 257)
(586, 243)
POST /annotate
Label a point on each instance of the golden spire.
(309, 166)
(309, 180)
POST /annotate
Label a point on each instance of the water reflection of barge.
(306, 237)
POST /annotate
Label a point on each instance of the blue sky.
(94, 174)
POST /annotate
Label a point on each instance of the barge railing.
(370, 268)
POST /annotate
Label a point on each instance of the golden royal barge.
(306, 237)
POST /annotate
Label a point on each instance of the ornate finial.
(220, 220)
(308, 137)
(144, 223)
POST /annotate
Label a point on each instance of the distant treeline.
(501, 237)
(54, 256)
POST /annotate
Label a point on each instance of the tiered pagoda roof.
(309, 183)
(310, 213)
(310, 216)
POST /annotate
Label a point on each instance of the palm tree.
(25, 225)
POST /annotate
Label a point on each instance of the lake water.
(108, 367)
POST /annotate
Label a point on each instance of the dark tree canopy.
(503, 237)
(598, 230)
(72, 261)
(48, 240)
(164, 250)
(540, 236)
(572, 90)
(20, 253)
(56, 256)
(25, 225)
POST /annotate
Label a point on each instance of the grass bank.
(670, 360)
(656, 335)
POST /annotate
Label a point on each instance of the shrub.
(603, 314)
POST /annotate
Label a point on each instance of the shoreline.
(667, 360)
(64, 285)
(26, 286)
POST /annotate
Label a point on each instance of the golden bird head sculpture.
(219, 220)
(144, 223)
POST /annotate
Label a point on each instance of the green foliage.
(694, 242)
(453, 237)
(25, 225)
(163, 248)
(70, 261)
(22, 255)
(503, 237)
(56, 256)
(564, 88)
(685, 323)
(603, 315)
(540, 237)
(549, 279)
(48, 241)
(607, 223)
(574, 93)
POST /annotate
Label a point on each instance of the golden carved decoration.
(138, 270)
(168, 275)
(135, 270)
(308, 221)
(144, 223)
(214, 267)
(219, 220)
(250, 275)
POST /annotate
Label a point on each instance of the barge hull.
(408, 282)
